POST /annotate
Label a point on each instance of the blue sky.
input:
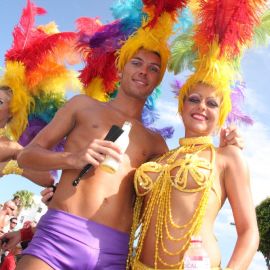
(256, 72)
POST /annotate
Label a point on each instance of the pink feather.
(24, 33)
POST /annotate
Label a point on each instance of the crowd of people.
(144, 215)
(8, 222)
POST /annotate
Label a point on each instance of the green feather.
(262, 32)
(182, 53)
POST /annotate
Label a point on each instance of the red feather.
(32, 56)
(100, 64)
(230, 22)
(87, 26)
(24, 33)
(56, 49)
(160, 6)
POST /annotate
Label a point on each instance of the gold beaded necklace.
(185, 162)
(4, 133)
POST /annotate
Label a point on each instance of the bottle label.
(197, 263)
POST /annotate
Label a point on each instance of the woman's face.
(4, 107)
(201, 111)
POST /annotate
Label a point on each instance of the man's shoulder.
(156, 140)
(81, 98)
(80, 102)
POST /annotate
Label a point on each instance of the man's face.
(13, 223)
(141, 74)
(11, 208)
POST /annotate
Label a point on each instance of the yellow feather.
(49, 28)
(153, 39)
(96, 90)
(214, 71)
(14, 77)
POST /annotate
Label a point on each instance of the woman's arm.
(237, 186)
(44, 178)
(8, 149)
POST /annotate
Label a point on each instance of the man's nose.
(143, 70)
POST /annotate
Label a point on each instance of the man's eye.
(154, 69)
(135, 63)
(1, 102)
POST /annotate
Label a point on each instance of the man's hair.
(13, 218)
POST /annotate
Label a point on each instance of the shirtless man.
(8, 210)
(97, 212)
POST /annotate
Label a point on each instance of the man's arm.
(36, 155)
(231, 136)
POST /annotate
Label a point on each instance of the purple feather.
(33, 128)
(236, 115)
(166, 132)
(176, 86)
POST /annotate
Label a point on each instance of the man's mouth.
(140, 82)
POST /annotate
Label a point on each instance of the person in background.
(12, 224)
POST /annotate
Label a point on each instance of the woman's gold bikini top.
(175, 169)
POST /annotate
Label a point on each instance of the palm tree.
(26, 199)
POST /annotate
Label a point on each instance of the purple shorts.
(65, 241)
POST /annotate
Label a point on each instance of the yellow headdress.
(154, 33)
(222, 30)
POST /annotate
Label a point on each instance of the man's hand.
(231, 136)
(94, 154)
(47, 195)
(11, 239)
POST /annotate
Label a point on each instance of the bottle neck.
(196, 243)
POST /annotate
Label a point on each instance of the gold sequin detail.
(175, 170)
(12, 167)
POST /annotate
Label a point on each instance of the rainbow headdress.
(138, 24)
(35, 66)
(107, 47)
(223, 29)
(154, 32)
(99, 76)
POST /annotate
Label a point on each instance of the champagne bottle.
(109, 164)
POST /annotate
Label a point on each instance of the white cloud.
(258, 262)
(257, 150)
(168, 112)
(254, 103)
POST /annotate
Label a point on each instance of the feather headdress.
(101, 44)
(154, 33)
(223, 29)
(36, 63)
(99, 75)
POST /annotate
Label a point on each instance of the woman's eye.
(212, 104)
(194, 100)
(1, 102)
